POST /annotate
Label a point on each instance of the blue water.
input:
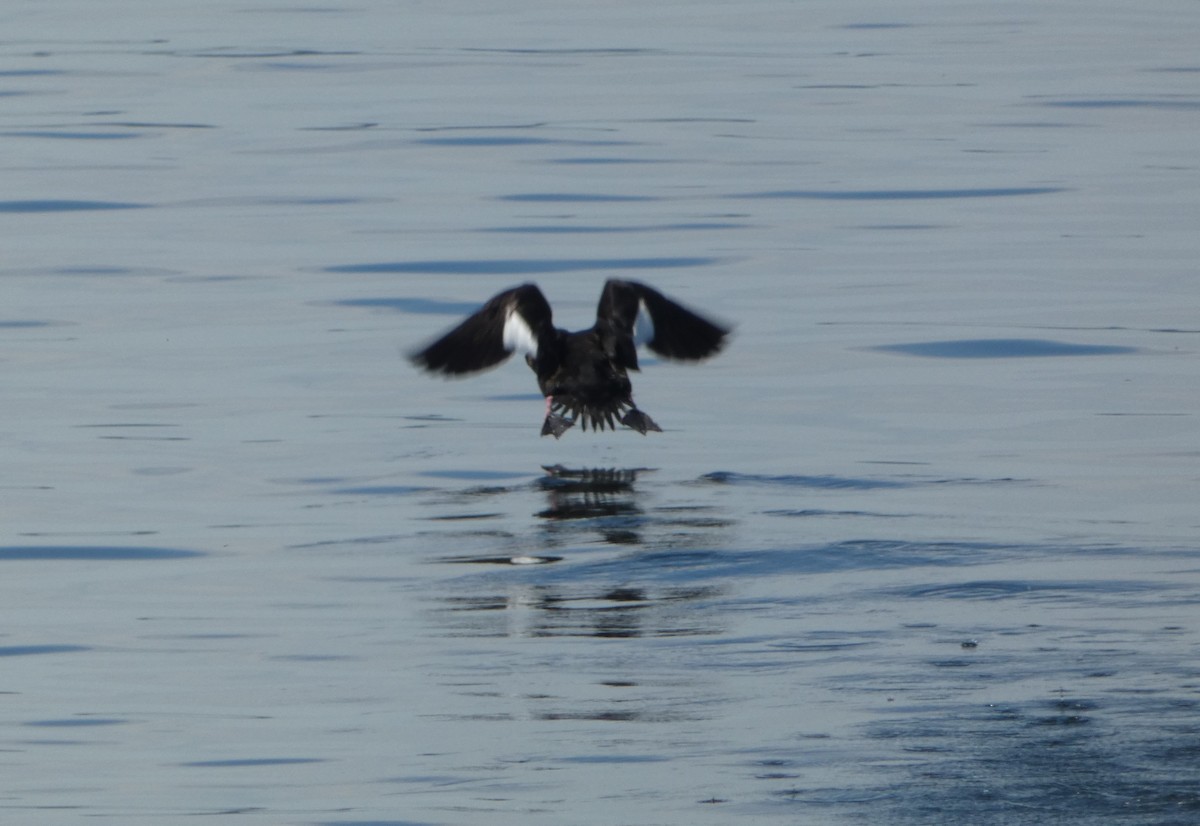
(919, 548)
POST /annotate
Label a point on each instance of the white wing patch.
(517, 335)
(643, 326)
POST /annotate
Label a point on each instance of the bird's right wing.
(638, 315)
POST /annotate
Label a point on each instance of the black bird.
(583, 373)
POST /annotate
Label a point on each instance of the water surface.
(919, 548)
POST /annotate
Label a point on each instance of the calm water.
(920, 548)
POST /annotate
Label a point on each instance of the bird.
(583, 374)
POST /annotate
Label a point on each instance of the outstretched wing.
(635, 314)
(513, 321)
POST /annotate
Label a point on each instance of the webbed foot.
(556, 425)
(640, 422)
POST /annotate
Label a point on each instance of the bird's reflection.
(582, 610)
(584, 507)
(606, 495)
(630, 595)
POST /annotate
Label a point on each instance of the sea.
(921, 547)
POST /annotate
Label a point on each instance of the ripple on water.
(103, 553)
(520, 266)
(247, 762)
(902, 194)
(1002, 348)
(1068, 760)
(724, 477)
(25, 324)
(1168, 102)
(593, 229)
(77, 722)
(64, 205)
(32, 650)
(417, 306)
(1004, 589)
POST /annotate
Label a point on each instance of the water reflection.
(603, 494)
(587, 510)
(567, 609)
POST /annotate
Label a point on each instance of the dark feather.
(480, 341)
(583, 375)
(675, 332)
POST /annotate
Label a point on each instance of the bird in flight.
(583, 375)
